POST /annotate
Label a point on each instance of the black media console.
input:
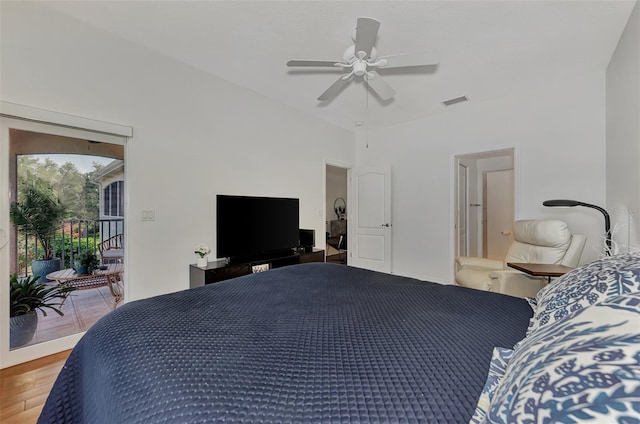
(220, 270)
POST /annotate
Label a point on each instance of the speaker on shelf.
(307, 239)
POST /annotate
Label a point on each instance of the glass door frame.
(39, 120)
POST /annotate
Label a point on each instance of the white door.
(461, 211)
(370, 218)
(498, 202)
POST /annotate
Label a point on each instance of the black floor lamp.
(571, 203)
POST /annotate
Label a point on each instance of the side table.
(541, 270)
(112, 277)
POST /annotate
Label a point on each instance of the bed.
(305, 343)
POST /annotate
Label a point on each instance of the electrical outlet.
(260, 268)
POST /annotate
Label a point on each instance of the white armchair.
(535, 241)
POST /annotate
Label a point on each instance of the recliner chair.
(535, 241)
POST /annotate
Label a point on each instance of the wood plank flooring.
(24, 388)
(335, 256)
(81, 310)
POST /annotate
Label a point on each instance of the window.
(113, 199)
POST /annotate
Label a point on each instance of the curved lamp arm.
(571, 203)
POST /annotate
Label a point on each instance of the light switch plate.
(148, 215)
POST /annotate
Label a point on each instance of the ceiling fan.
(361, 60)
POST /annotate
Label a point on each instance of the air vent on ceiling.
(456, 100)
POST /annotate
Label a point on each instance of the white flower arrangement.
(202, 250)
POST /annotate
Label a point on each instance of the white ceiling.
(486, 48)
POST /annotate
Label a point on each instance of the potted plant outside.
(27, 296)
(85, 262)
(39, 213)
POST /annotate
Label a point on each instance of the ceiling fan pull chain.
(367, 116)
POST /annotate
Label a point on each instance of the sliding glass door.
(62, 234)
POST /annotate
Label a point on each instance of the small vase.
(202, 262)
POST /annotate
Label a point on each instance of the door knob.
(508, 233)
(386, 225)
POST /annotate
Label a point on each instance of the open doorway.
(82, 182)
(74, 135)
(336, 214)
(484, 203)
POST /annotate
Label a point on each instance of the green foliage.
(90, 202)
(88, 260)
(77, 191)
(64, 246)
(27, 296)
(39, 212)
(79, 194)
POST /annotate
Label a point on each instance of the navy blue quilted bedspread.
(314, 343)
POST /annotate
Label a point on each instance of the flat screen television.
(254, 227)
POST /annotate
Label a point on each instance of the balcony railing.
(73, 237)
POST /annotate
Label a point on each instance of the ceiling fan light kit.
(360, 61)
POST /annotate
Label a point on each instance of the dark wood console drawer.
(217, 271)
(226, 273)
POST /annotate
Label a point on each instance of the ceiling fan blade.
(327, 63)
(410, 59)
(382, 89)
(366, 33)
(335, 88)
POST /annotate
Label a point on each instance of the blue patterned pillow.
(586, 286)
(532, 322)
(497, 367)
(628, 277)
(585, 368)
(532, 302)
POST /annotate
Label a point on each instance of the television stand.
(255, 259)
(221, 269)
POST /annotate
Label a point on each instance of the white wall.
(194, 135)
(623, 136)
(558, 132)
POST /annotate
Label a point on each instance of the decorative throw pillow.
(628, 277)
(532, 302)
(586, 286)
(585, 368)
(532, 322)
(497, 366)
